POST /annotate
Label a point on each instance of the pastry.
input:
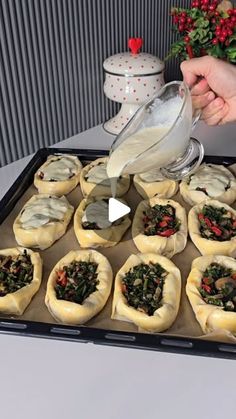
(92, 226)
(211, 289)
(20, 279)
(59, 175)
(212, 228)
(209, 181)
(78, 286)
(95, 182)
(42, 221)
(153, 183)
(147, 292)
(160, 226)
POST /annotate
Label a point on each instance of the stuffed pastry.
(160, 226)
(212, 228)
(153, 183)
(211, 289)
(79, 286)
(20, 279)
(147, 292)
(92, 226)
(209, 181)
(42, 221)
(59, 175)
(95, 182)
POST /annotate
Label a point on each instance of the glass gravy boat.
(159, 137)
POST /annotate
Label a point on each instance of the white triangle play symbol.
(116, 209)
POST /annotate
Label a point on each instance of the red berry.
(189, 20)
(218, 27)
(224, 33)
(204, 8)
(187, 39)
(183, 14)
(222, 39)
(176, 19)
(213, 20)
(234, 11)
(233, 19)
(222, 21)
(227, 43)
(181, 28)
(212, 8)
(182, 20)
(230, 12)
(217, 13)
(215, 41)
(230, 32)
(218, 33)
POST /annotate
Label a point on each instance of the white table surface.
(54, 379)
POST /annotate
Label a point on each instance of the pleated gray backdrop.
(51, 51)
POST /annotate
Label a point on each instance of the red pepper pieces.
(163, 224)
(62, 279)
(206, 288)
(216, 230)
(167, 233)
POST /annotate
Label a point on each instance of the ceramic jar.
(131, 79)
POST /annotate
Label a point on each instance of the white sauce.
(97, 212)
(211, 178)
(125, 158)
(98, 174)
(152, 176)
(43, 211)
(62, 168)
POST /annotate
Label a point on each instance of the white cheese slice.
(213, 179)
(61, 169)
(43, 211)
(98, 174)
(97, 212)
(152, 176)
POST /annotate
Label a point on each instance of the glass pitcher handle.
(186, 164)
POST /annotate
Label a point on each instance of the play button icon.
(116, 210)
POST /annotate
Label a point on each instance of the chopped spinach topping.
(217, 223)
(160, 220)
(76, 281)
(218, 287)
(143, 285)
(15, 273)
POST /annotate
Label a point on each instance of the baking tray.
(101, 330)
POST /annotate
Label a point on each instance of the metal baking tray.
(95, 332)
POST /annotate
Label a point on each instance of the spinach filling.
(143, 285)
(217, 223)
(218, 287)
(15, 273)
(160, 220)
(76, 281)
(92, 225)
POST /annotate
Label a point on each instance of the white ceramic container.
(131, 79)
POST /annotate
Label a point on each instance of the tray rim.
(161, 342)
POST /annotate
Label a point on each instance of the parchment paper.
(185, 324)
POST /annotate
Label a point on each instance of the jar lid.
(128, 64)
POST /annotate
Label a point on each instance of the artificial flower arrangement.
(208, 27)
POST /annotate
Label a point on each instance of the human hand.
(215, 94)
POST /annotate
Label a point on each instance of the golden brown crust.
(167, 246)
(72, 313)
(44, 236)
(210, 317)
(98, 238)
(59, 188)
(163, 317)
(16, 302)
(163, 189)
(193, 197)
(100, 189)
(206, 246)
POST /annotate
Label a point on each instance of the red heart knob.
(135, 44)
